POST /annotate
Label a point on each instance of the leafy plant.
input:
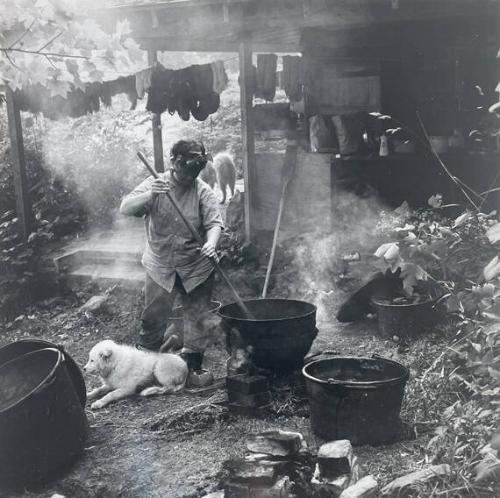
(427, 246)
(57, 44)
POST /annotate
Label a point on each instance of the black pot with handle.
(356, 398)
(42, 422)
(23, 346)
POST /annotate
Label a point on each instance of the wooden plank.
(23, 203)
(247, 132)
(189, 44)
(156, 124)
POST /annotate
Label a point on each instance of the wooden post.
(156, 122)
(23, 205)
(247, 132)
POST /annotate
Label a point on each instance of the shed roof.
(279, 25)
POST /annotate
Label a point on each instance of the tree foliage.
(58, 44)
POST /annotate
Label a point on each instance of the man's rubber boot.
(197, 377)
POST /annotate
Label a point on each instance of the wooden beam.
(247, 132)
(23, 204)
(156, 123)
(187, 44)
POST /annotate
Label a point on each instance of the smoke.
(317, 262)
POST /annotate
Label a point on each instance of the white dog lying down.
(124, 370)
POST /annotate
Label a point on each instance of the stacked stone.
(248, 395)
(337, 473)
(264, 472)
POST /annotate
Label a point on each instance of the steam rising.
(316, 266)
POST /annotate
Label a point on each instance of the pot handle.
(310, 358)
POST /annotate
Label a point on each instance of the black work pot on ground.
(356, 398)
(280, 331)
(42, 422)
(23, 346)
(406, 319)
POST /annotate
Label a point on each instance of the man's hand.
(209, 251)
(160, 186)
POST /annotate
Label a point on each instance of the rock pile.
(279, 465)
(267, 471)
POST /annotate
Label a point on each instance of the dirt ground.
(174, 446)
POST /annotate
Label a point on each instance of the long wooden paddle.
(198, 239)
(287, 174)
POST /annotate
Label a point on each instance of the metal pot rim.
(352, 384)
(301, 315)
(50, 375)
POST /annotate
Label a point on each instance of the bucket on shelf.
(356, 398)
(42, 422)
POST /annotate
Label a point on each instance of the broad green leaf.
(122, 28)
(494, 374)
(492, 269)
(485, 290)
(58, 87)
(383, 249)
(461, 219)
(493, 233)
(488, 470)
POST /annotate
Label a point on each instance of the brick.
(335, 459)
(247, 411)
(276, 443)
(281, 466)
(251, 472)
(367, 487)
(246, 384)
(333, 487)
(355, 471)
(281, 489)
(215, 494)
(233, 489)
(257, 399)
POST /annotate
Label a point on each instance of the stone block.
(94, 304)
(234, 489)
(332, 488)
(276, 443)
(257, 399)
(355, 471)
(281, 466)
(366, 487)
(247, 411)
(250, 472)
(215, 494)
(335, 458)
(246, 384)
(397, 487)
(278, 490)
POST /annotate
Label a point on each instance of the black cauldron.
(23, 346)
(42, 422)
(280, 331)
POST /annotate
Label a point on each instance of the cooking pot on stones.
(23, 346)
(42, 422)
(280, 331)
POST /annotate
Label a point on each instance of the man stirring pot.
(172, 257)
